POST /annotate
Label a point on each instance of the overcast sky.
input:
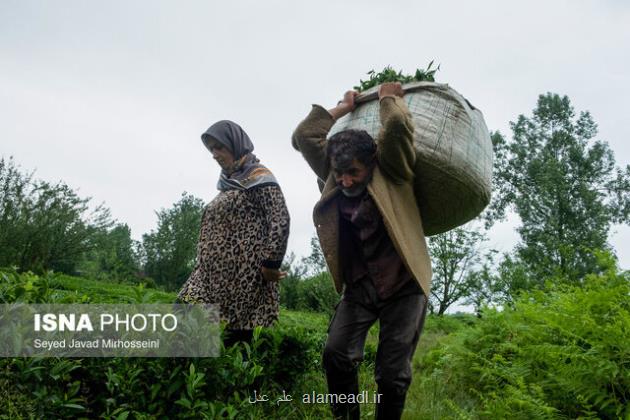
(111, 96)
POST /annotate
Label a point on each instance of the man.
(371, 234)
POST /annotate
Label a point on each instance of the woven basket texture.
(453, 172)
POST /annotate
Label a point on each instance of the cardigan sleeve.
(271, 201)
(396, 154)
(309, 138)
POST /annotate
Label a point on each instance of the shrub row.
(316, 293)
(119, 388)
(559, 353)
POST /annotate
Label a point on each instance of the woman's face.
(221, 154)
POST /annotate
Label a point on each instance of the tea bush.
(119, 388)
(316, 293)
(562, 352)
(166, 387)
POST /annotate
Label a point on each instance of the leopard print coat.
(241, 230)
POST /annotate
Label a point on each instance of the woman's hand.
(273, 275)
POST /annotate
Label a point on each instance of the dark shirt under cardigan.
(367, 248)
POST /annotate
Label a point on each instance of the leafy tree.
(44, 226)
(113, 255)
(289, 286)
(170, 250)
(564, 186)
(489, 287)
(315, 263)
(308, 285)
(456, 257)
(14, 192)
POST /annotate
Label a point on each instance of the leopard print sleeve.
(270, 200)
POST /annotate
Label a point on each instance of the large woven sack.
(453, 169)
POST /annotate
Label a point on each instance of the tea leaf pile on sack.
(453, 168)
(388, 74)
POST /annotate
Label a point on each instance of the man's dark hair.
(351, 144)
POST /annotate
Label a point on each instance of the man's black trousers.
(401, 318)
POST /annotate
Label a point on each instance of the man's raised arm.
(309, 137)
(396, 154)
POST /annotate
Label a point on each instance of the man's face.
(352, 177)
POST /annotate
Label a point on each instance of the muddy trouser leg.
(401, 321)
(344, 351)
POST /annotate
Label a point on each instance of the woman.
(243, 239)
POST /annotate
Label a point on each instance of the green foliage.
(557, 353)
(457, 259)
(490, 287)
(24, 287)
(170, 250)
(14, 404)
(113, 255)
(315, 263)
(448, 324)
(54, 390)
(43, 226)
(388, 74)
(312, 294)
(60, 288)
(288, 352)
(564, 186)
(308, 285)
(291, 292)
(278, 358)
(174, 388)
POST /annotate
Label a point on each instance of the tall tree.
(44, 226)
(315, 263)
(565, 187)
(113, 254)
(170, 250)
(15, 188)
(456, 257)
